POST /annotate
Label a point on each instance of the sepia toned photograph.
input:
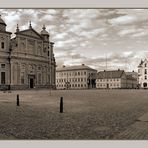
(73, 74)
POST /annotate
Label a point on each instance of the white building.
(26, 60)
(75, 77)
(143, 73)
(115, 79)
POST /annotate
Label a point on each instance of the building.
(26, 60)
(115, 79)
(75, 77)
(143, 74)
(133, 73)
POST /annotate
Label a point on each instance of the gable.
(31, 33)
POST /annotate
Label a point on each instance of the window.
(145, 71)
(145, 77)
(2, 45)
(39, 78)
(84, 72)
(2, 65)
(145, 65)
(39, 68)
(3, 77)
(22, 78)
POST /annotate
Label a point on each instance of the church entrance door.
(31, 83)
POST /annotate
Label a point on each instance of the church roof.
(28, 31)
(77, 67)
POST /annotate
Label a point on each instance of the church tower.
(5, 54)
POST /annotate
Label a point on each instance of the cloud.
(123, 20)
(87, 35)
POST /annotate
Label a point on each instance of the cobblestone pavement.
(88, 115)
(137, 131)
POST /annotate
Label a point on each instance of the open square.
(88, 114)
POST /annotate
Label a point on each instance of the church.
(26, 60)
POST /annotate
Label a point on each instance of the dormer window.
(2, 45)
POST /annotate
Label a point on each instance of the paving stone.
(144, 118)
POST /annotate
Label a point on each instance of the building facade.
(26, 60)
(75, 77)
(115, 79)
(143, 73)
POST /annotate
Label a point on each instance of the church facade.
(26, 60)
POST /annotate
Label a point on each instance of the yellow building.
(115, 79)
(75, 77)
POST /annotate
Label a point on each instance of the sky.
(100, 38)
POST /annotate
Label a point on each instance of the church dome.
(44, 32)
(1, 21)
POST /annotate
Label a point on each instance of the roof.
(27, 30)
(110, 74)
(130, 77)
(141, 63)
(2, 21)
(77, 67)
(131, 73)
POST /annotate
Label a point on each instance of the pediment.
(31, 33)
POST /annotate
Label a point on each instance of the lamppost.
(9, 58)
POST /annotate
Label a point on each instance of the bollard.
(61, 105)
(17, 101)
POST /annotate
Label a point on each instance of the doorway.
(145, 85)
(31, 83)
